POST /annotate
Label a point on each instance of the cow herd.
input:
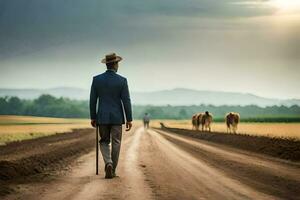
(205, 119)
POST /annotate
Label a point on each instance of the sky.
(248, 46)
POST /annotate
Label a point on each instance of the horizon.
(153, 91)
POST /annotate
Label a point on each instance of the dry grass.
(266, 129)
(16, 128)
(13, 120)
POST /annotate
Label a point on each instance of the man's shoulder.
(98, 76)
(120, 76)
(103, 75)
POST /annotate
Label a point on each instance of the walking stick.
(97, 149)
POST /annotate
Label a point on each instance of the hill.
(178, 96)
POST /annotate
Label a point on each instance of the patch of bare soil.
(283, 148)
(30, 160)
(262, 173)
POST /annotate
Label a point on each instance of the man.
(111, 92)
(146, 120)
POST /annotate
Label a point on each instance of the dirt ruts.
(31, 157)
(283, 148)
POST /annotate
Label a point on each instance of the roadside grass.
(18, 128)
(23, 120)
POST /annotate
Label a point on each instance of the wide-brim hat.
(112, 57)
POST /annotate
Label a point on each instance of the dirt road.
(162, 165)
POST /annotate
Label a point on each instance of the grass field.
(15, 128)
(291, 130)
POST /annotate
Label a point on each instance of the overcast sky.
(249, 46)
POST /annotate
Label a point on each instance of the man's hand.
(128, 126)
(93, 123)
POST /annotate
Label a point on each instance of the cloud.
(204, 8)
(32, 25)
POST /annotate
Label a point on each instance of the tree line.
(49, 106)
(45, 105)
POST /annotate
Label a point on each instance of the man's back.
(146, 118)
(112, 90)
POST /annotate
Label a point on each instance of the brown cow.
(206, 120)
(232, 119)
(195, 122)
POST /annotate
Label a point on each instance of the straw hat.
(112, 57)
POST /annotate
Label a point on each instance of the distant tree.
(15, 106)
(182, 114)
(4, 108)
(45, 100)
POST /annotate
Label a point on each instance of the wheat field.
(290, 130)
(15, 120)
(16, 128)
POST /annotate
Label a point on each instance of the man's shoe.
(108, 171)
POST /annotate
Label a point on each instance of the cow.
(232, 119)
(206, 120)
(195, 122)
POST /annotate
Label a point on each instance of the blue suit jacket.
(112, 91)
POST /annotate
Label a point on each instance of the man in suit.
(111, 92)
(146, 120)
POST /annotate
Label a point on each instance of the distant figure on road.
(111, 91)
(146, 120)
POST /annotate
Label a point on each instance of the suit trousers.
(110, 134)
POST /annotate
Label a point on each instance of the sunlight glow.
(282, 6)
(286, 6)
